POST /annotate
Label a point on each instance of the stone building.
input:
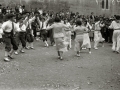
(99, 7)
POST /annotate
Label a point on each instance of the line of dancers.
(19, 30)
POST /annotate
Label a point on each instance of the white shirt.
(97, 26)
(89, 26)
(114, 25)
(20, 10)
(7, 26)
(40, 11)
(22, 28)
(29, 22)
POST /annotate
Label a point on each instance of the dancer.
(29, 32)
(43, 25)
(116, 34)
(97, 34)
(80, 30)
(86, 39)
(9, 28)
(58, 29)
(68, 34)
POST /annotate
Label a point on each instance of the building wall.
(81, 6)
(88, 6)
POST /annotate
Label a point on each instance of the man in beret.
(9, 28)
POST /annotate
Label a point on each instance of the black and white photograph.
(59, 44)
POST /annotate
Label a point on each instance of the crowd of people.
(20, 27)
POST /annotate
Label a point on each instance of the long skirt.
(60, 44)
(98, 37)
(78, 42)
(86, 41)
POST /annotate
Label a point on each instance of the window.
(103, 4)
(107, 7)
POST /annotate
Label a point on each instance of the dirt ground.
(40, 69)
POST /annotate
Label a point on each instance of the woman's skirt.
(86, 41)
(98, 37)
(78, 42)
(61, 45)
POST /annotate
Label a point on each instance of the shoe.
(78, 55)
(54, 45)
(61, 58)
(6, 59)
(10, 57)
(96, 48)
(114, 51)
(90, 52)
(31, 47)
(27, 48)
(22, 51)
(46, 45)
(118, 52)
(84, 48)
(16, 53)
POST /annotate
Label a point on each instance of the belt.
(115, 30)
(7, 32)
(80, 33)
(22, 32)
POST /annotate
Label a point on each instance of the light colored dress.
(97, 34)
(86, 39)
(79, 37)
(58, 32)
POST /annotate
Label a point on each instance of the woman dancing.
(58, 32)
(80, 30)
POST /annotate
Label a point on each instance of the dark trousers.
(10, 42)
(34, 32)
(105, 33)
(29, 38)
(44, 35)
(51, 36)
(110, 35)
(1, 40)
(22, 36)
